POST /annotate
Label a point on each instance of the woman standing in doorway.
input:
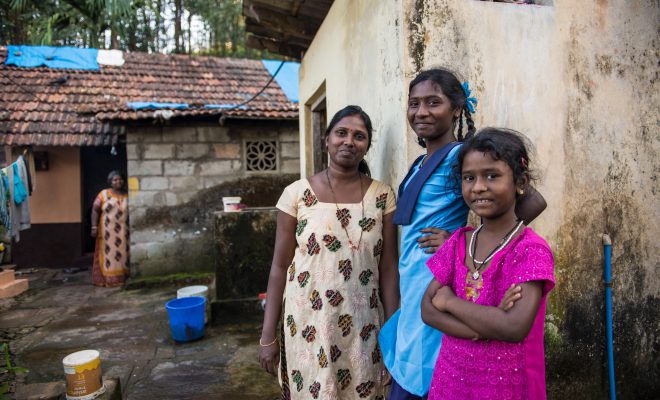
(335, 265)
(110, 211)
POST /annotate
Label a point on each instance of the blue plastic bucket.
(186, 318)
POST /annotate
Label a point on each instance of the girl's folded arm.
(493, 323)
(443, 321)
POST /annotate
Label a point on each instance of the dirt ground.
(62, 313)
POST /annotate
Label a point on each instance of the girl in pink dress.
(487, 352)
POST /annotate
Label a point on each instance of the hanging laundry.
(5, 197)
(20, 194)
(28, 157)
(24, 208)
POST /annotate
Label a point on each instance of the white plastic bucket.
(231, 204)
(84, 380)
(199, 290)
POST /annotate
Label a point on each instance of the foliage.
(8, 368)
(204, 27)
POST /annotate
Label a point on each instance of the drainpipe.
(607, 250)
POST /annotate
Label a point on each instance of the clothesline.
(17, 183)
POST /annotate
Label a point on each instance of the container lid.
(192, 291)
(80, 357)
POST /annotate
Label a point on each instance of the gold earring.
(521, 192)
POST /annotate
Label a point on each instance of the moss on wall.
(244, 244)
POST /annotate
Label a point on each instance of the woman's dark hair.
(503, 144)
(114, 173)
(347, 112)
(452, 88)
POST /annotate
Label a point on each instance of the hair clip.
(470, 102)
(523, 162)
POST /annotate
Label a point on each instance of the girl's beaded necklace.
(478, 265)
(334, 198)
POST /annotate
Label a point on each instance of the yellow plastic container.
(84, 380)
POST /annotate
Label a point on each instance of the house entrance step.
(6, 276)
(13, 288)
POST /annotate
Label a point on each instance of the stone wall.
(178, 175)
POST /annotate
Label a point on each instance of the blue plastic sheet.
(213, 106)
(139, 105)
(287, 78)
(52, 57)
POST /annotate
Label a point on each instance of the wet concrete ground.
(63, 313)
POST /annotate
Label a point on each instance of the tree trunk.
(177, 26)
(159, 11)
(190, 16)
(114, 39)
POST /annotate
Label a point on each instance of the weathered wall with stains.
(358, 55)
(580, 80)
(178, 175)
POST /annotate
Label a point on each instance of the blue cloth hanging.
(20, 194)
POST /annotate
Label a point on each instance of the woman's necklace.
(334, 198)
(478, 265)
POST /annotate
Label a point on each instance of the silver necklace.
(473, 244)
(352, 245)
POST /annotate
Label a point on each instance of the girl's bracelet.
(267, 344)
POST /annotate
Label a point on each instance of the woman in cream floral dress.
(333, 274)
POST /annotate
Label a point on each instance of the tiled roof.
(44, 106)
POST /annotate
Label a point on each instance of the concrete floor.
(63, 313)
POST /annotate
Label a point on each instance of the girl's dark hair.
(347, 112)
(452, 88)
(503, 144)
(114, 173)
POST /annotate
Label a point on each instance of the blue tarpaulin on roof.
(287, 78)
(224, 106)
(138, 105)
(52, 57)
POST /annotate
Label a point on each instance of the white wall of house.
(580, 79)
(358, 55)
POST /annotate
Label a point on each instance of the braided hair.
(452, 88)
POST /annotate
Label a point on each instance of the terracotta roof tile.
(90, 107)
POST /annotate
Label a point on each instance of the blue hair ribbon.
(470, 101)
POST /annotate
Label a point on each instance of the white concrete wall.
(580, 79)
(358, 53)
(512, 57)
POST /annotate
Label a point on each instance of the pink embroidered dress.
(493, 369)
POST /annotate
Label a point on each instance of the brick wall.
(171, 167)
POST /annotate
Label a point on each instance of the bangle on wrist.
(267, 344)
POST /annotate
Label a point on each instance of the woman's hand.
(513, 294)
(433, 240)
(441, 297)
(269, 357)
(94, 231)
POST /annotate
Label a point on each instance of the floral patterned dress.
(112, 242)
(332, 309)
